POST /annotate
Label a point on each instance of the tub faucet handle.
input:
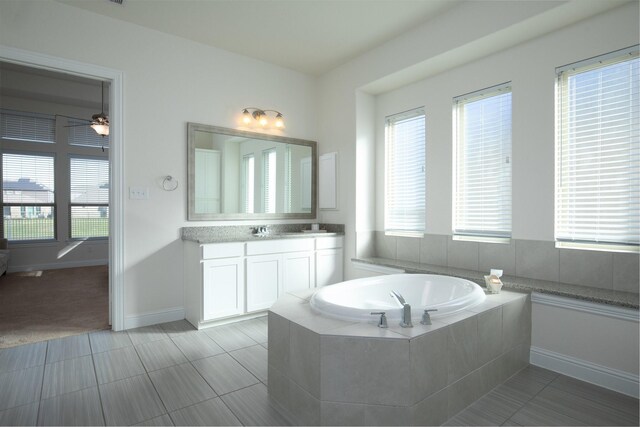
(426, 319)
(383, 319)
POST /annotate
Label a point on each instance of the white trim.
(613, 379)
(58, 265)
(375, 268)
(116, 158)
(154, 317)
(612, 311)
(481, 239)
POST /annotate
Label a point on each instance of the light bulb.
(263, 120)
(279, 122)
(246, 117)
(100, 129)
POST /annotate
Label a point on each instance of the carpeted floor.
(39, 306)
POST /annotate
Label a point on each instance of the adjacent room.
(283, 212)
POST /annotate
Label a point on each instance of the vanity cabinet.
(329, 256)
(222, 287)
(224, 280)
(264, 278)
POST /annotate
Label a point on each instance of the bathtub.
(354, 300)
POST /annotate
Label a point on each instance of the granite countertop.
(255, 238)
(586, 293)
(245, 233)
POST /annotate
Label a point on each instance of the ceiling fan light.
(100, 128)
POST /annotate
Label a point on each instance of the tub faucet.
(406, 310)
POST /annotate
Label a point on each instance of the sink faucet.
(262, 231)
(406, 310)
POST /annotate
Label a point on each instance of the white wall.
(168, 81)
(472, 46)
(530, 67)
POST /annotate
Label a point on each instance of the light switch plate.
(138, 193)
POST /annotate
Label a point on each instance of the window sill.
(598, 247)
(482, 239)
(417, 234)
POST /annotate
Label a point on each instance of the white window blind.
(598, 153)
(269, 173)
(23, 126)
(89, 207)
(405, 173)
(482, 190)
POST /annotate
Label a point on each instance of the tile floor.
(171, 374)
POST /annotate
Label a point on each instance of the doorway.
(114, 78)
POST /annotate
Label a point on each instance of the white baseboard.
(56, 265)
(153, 318)
(613, 379)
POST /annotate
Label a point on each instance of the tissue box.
(493, 284)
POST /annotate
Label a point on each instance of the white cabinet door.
(299, 271)
(328, 266)
(264, 277)
(223, 288)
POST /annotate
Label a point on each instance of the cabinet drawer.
(329, 242)
(279, 246)
(222, 250)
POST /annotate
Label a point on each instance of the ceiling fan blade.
(81, 124)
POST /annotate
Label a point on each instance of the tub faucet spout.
(406, 310)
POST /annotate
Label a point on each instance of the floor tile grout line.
(44, 367)
(95, 373)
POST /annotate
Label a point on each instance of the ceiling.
(310, 36)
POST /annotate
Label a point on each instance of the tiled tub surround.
(331, 372)
(240, 233)
(602, 277)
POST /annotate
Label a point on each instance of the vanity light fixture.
(261, 117)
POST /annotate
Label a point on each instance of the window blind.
(89, 179)
(482, 187)
(89, 192)
(405, 173)
(598, 153)
(24, 126)
(269, 173)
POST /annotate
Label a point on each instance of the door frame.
(116, 159)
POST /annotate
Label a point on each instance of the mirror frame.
(192, 215)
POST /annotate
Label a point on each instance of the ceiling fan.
(99, 122)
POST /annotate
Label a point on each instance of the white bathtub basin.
(355, 299)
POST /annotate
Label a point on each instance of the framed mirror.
(235, 174)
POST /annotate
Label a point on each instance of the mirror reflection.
(237, 174)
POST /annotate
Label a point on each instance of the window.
(269, 173)
(598, 153)
(89, 203)
(47, 160)
(28, 197)
(248, 183)
(482, 186)
(405, 173)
